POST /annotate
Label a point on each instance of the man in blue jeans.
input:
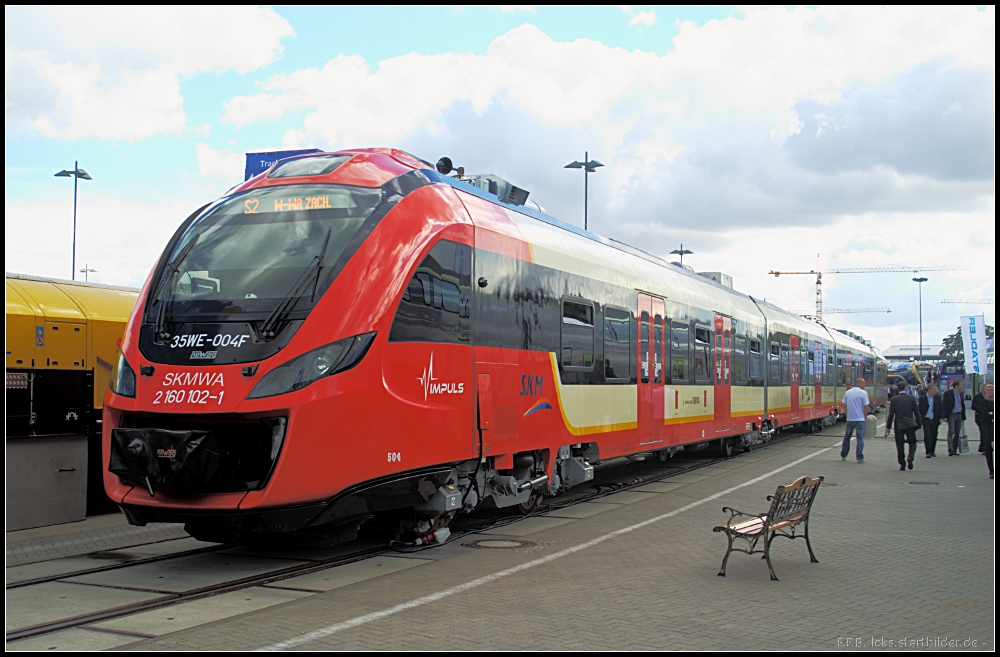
(856, 400)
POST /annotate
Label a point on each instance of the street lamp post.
(86, 271)
(75, 174)
(681, 252)
(920, 286)
(588, 166)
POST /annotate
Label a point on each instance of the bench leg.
(767, 556)
(722, 571)
(812, 557)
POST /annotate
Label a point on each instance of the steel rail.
(171, 599)
(112, 566)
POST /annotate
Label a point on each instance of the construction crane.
(974, 302)
(844, 311)
(818, 273)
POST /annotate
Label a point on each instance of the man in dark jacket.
(976, 401)
(954, 414)
(986, 427)
(903, 409)
(930, 406)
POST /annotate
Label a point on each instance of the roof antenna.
(445, 166)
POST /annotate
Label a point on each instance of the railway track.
(621, 480)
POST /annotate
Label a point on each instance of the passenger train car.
(357, 334)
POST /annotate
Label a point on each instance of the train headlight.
(122, 378)
(312, 366)
(322, 364)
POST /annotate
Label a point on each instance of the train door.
(644, 420)
(818, 365)
(723, 373)
(795, 373)
(658, 374)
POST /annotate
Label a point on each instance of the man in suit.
(976, 401)
(986, 426)
(932, 414)
(954, 413)
(903, 409)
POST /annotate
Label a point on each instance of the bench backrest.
(792, 502)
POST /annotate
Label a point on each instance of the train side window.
(702, 355)
(755, 360)
(718, 356)
(811, 357)
(644, 347)
(617, 332)
(739, 360)
(657, 349)
(774, 368)
(680, 353)
(435, 303)
(784, 363)
(577, 336)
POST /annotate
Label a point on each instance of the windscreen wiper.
(273, 324)
(169, 275)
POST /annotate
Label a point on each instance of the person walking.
(856, 400)
(903, 409)
(985, 423)
(954, 411)
(932, 415)
(975, 407)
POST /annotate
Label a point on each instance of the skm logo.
(431, 387)
(531, 385)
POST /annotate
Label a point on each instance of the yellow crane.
(818, 273)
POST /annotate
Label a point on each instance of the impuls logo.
(429, 383)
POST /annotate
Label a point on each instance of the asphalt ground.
(906, 559)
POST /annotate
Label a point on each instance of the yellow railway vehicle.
(61, 339)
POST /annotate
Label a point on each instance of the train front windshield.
(257, 249)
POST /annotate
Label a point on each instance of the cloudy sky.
(758, 138)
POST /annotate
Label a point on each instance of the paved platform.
(104, 532)
(903, 556)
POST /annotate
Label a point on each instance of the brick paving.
(898, 562)
(35, 549)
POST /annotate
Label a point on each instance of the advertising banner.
(261, 162)
(974, 344)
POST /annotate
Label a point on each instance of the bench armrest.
(733, 513)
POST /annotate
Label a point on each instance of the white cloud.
(871, 240)
(513, 9)
(761, 64)
(647, 18)
(62, 81)
(223, 164)
(122, 239)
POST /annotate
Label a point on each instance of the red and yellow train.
(357, 334)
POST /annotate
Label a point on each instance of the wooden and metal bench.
(790, 506)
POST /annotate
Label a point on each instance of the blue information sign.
(261, 162)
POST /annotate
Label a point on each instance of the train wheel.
(663, 455)
(529, 505)
(725, 447)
